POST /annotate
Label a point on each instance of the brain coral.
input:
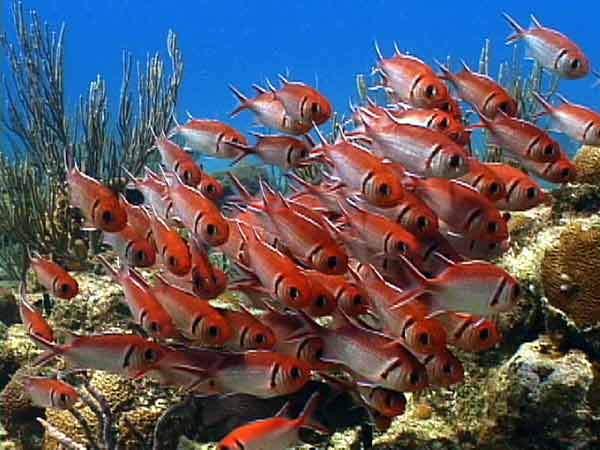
(587, 162)
(570, 274)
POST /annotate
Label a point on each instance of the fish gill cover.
(377, 280)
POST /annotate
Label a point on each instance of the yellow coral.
(570, 271)
(587, 162)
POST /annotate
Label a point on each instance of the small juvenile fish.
(32, 318)
(468, 332)
(270, 112)
(553, 50)
(464, 209)
(279, 150)
(99, 204)
(412, 81)
(275, 433)
(248, 332)
(131, 247)
(560, 171)
(577, 122)
(481, 91)
(179, 161)
(211, 138)
(303, 103)
(125, 354)
(54, 278)
(194, 317)
(144, 307)
(49, 393)
(522, 191)
(198, 213)
(171, 248)
(523, 139)
(484, 180)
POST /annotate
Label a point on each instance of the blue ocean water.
(320, 42)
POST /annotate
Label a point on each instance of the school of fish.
(393, 244)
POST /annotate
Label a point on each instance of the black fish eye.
(575, 64)
(294, 292)
(505, 106)
(531, 192)
(321, 301)
(172, 261)
(235, 140)
(455, 161)
(492, 227)
(492, 245)
(150, 355)
(154, 327)
(424, 339)
(384, 189)
(211, 229)
(484, 334)
(107, 217)
(319, 353)
(315, 108)
(444, 123)
(140, 256)
(401, 247)
(565, 173)
(549, 149)
(199, 281)
(211, 189)
(415, 378)
(213, 331)
(332, 262)
(430, 91)
(447, 369)
(516, 291)
(303, 153)
(260, 339)
(65, 288)
(357, 300)
(296, 373)
(187, 176)
(64, 398)
(422, 222)
(494, 188)
(446, 107)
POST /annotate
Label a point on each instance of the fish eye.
(384, 189)
(319, 353)
(187, 176)
(444, 123)
(332, 262)
(140, 256)
(415, 377)
(505, 106)
(422, 222)
(484, 334)
(211, 229)
(549, 149)
(235, 140)
(565, 173)
(154, 327)
(447, 106)
(172, 261)
(531, 192)
(455, 161)
(211, 189)
(492, 227)
(494, 188)
(357, 300)
(150, 355)
(575, 64)
(199, 282)
(303, 153)
(430, 91)
(64, 398)
(516, 291)
(296, 373)
(107, 217)
(315, 108)
(65, 289)
(321, 301)
(447, 369)
(401, 247)
(424, 339)
(492, 245)
(260, 339)
(214, 331)
(294, 292)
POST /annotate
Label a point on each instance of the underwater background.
(538, 388)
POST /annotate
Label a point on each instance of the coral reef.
(587, 161)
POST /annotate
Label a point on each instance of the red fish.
(362, 171)
(248, 332)
(198, 213)
(207, 281)
(409, 321)
(469, 333)
(211, 138)
(443, 369)
(131, 247)
(349, 296)
(412, 81)
(54, 278)
(99, 204)
(194, 317)
(32, 319)
(484, 180)
(172, 250)
(481, 91)
(303, 103)
(322, 302)
(275, 433)
(491, 289)
(464, 209)
(138, 218)
(578, 122)
(144, 307)
(154, 190)
(270, 112)
(211, 188)
(179, 161)
(419, 150)
(474, 248)
(560, 171)
(277, 273)
(521, 138)
(49, 393)
(125, 354)
(522, 191)
(553, 50)
(279, 150)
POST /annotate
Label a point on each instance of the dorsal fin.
(536, 22)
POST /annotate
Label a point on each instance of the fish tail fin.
(51, 350)
(244, 101)
(245, 151)
(307, 419)
(519, 30)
